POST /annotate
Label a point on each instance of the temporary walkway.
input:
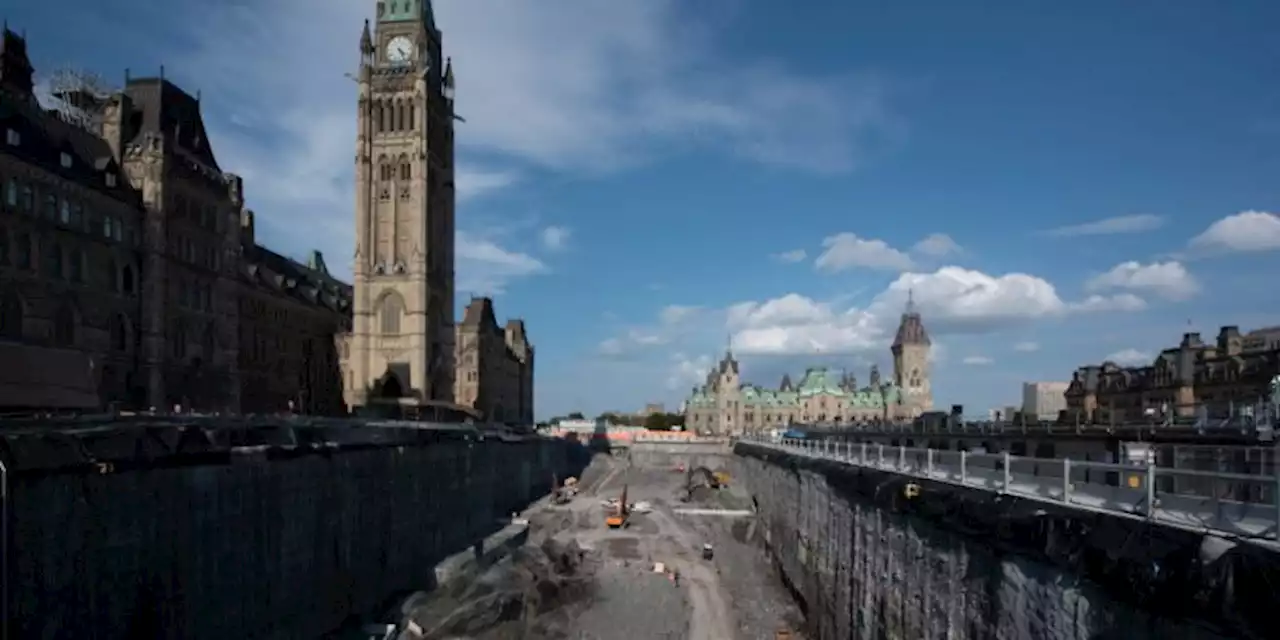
(1073, 483)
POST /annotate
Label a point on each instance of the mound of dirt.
(519, 598)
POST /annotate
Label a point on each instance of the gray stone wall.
(262, 542)
(868, 563)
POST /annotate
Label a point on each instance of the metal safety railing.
(1128, 489)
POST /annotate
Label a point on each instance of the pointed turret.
(875, 376)
(728, 363)
(911, 327)
(447, 86)
(786, 385)
(366, 40)
(429, 16)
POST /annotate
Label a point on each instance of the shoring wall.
(245, 530)
(866, 562)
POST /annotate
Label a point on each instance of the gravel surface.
(578, 580)
(633, 603)
(761, 604)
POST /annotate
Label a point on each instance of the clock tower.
(401, 346)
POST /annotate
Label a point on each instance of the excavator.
(704, 477)
(620, 513)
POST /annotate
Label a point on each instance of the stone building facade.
(70, 241)
(1234, 371)
(128, 244)
(401, 347)
(495, 366)
(725, 405)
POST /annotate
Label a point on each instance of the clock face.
(399, 49)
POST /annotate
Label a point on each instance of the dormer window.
(65, 159)
(12, 137)
(110, 179)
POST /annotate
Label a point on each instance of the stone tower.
(403, 312)
(911, 360)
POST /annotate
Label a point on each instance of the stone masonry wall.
(267, 542)
(864, 566)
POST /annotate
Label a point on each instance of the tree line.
(655, 421)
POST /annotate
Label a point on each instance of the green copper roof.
(402, 10)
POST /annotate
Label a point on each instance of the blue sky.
(1057, 182)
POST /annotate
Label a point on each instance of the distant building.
(652, 408)
(1043, 400)
(724, 405)
(495, 365)
(1236, 370)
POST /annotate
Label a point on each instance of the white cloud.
(673, 320)
(845, 251)
(475, 181)
(674, 314)
(793, 256)
(978, 361)
(1026, 347)
(687, 372)
(1117, 302)
(611, 347)
(937, 245)
(951, 298)
(1130, 358)
(1248, 231)
(1109, 226)
(484, 267)
(555, 238)
(1169, 280)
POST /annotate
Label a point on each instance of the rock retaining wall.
(866, 561)
(245, 530)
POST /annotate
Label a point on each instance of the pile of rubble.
(531, 596)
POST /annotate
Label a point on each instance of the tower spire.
(911, 300)
(366, 40)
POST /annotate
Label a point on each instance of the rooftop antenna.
(911, 301)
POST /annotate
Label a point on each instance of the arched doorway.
(390, 387)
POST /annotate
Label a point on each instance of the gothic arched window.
(52, 259)
(390, 311)
(11, 315)
(64, 326)
(413, 120)
(377, 114)
(209, 342)
(178, 340)
(120, 333)
(127, 279)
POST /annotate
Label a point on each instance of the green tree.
(663, 421)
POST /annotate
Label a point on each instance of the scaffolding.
(77, 97)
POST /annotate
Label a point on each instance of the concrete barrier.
(248, 529)
(671, 452)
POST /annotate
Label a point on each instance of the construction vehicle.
(703, 477)
(619, 513)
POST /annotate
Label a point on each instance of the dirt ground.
(576, 579)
